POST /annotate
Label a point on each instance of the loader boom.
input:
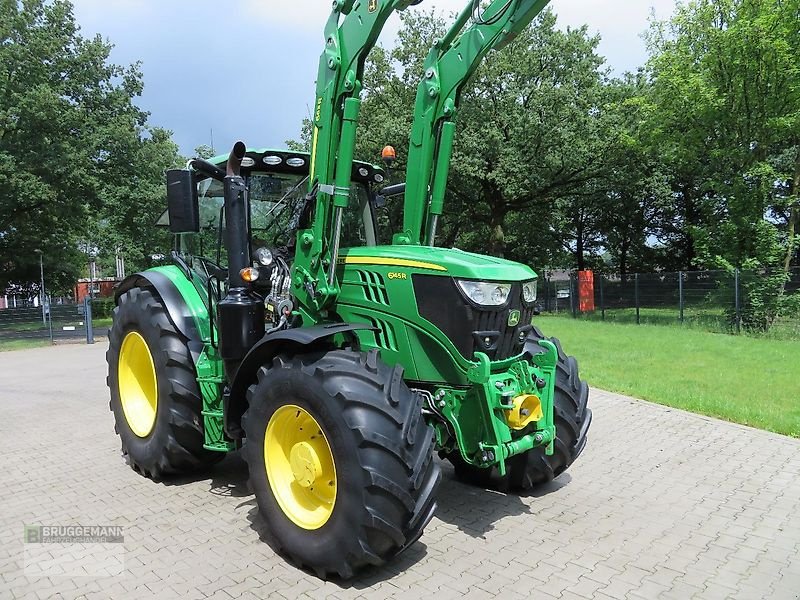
(350, 34)
(449, 65)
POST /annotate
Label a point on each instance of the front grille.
(469, 327)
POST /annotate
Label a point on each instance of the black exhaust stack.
(240, 315)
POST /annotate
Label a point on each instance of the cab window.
(357, 220)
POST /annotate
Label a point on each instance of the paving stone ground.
(662, 504)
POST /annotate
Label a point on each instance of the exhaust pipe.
(234, 165)
(240, 315)
(237, 238)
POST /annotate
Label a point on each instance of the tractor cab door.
(358, 220)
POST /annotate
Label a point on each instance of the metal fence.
(56, 320)
(720, 301)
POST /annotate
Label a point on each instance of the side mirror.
(182, 202)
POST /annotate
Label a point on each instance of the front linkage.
(507, 411)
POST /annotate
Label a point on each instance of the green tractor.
(339, 364)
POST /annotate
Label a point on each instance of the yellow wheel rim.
(138, 390)
(300, 467)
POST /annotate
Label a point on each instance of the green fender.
(186, 307)
(300, 339)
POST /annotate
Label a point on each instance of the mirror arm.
(207, 169)
(393, 190)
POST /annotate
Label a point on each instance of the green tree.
(530, 133)
(132, 198)
(204, 151)
(634, 200)
(74, 148)
(726, 93)
(726, 96)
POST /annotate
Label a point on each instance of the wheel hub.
(138, 385)
(300, 467)
(306, 466)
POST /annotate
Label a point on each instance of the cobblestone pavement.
(663, 504)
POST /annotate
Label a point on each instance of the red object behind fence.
(103, 288)
(585, 291)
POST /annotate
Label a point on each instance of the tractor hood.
(445, 261)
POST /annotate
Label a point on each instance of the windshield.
(276, 207)
(277, 201)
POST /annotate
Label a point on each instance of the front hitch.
(507, 411)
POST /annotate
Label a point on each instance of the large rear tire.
(572, 419)
(155, 397)
(340, 460)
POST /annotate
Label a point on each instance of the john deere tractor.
(338, 357)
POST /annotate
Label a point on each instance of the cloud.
(198, 40)
(104, 11)
(620, 25)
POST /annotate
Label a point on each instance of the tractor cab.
(277, 185)
(277, 206)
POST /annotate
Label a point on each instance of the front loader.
(337, 364)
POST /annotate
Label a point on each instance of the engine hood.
(444, 261)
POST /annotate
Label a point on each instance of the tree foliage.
(77, 160)
(725, 100)
(726, 113)
(543, 151)
(692, 162)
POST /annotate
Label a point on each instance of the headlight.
(263, 256)
(485, 293)
(529, 291)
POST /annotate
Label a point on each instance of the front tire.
(155, 397)
(345, 423)
(572, 418)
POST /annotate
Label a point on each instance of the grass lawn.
(28, 325)
(753, 381)
(7, 345)
(704, 318)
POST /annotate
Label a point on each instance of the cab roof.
(296, 163)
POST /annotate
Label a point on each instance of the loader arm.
(350, 34)
(449, 65)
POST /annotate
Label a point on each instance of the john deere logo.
(372, 6)
(513, 318)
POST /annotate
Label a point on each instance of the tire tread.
(394, 450)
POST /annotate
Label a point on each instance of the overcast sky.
(246, 68)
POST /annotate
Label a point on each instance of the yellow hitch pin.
(527, 409)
